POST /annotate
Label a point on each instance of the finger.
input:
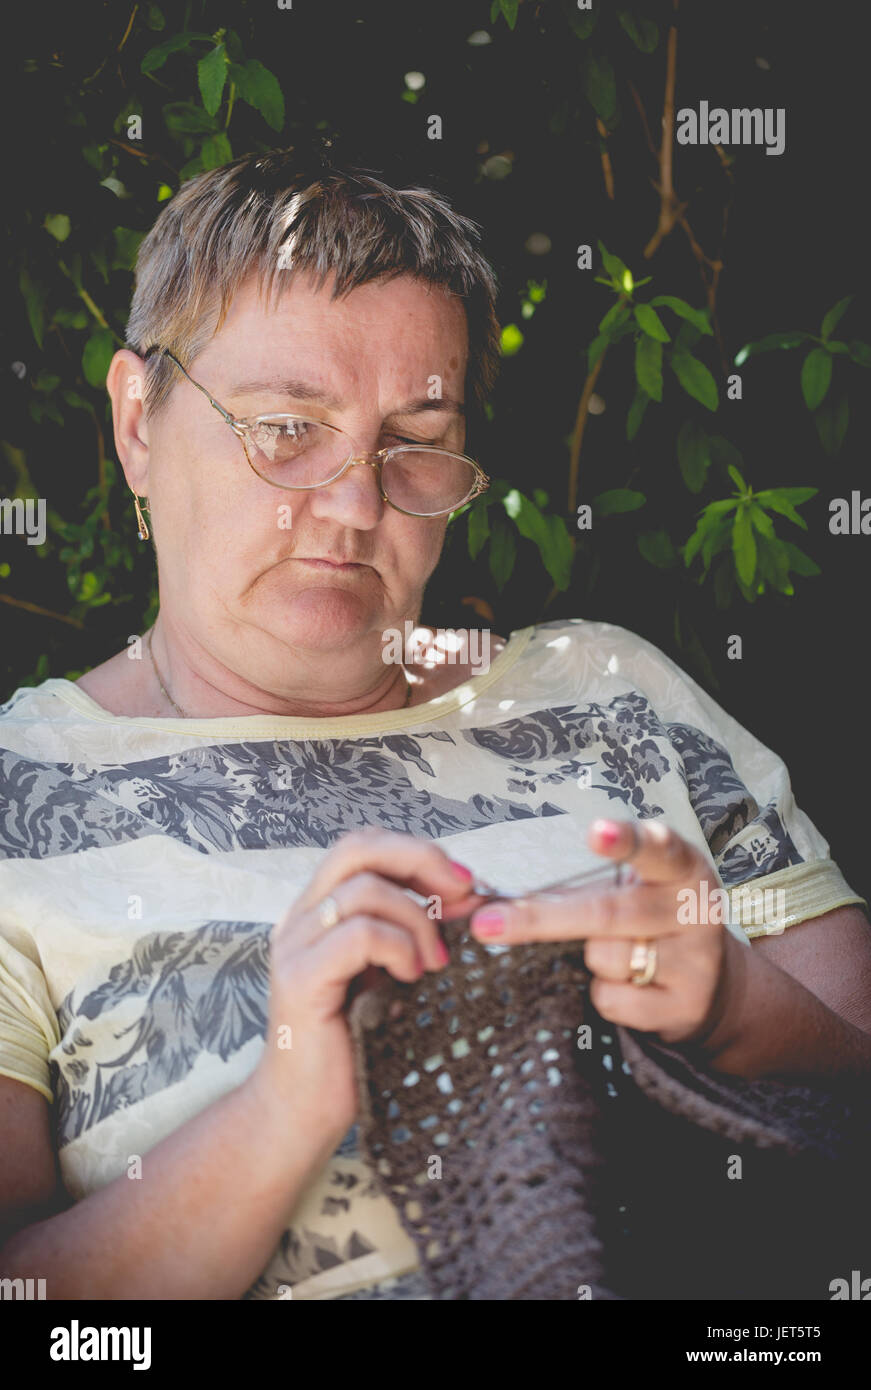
(417, 864)
(361, 941)
(655, 852)
(646, 911)
(373, 896)
(646, 1008)
(609, 958)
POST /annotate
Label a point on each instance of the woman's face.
(233, 575)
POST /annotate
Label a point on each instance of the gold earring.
(140, 519)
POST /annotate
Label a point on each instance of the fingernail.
(606, 830)
(488, 924)
(461, 871)
(443, 953)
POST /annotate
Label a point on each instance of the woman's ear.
(125, 383)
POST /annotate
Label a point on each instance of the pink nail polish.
(607, 831)
(443, 953)
(461, 871)
(488, 924)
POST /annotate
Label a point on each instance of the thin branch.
(43, 612)
(643, 114)
(578, 432)
(143, 154)
(670, 207)
(607, 170)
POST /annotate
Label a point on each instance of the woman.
(211, 837)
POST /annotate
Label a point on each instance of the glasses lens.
(297, 453)
(426, 483)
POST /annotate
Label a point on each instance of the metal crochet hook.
(616, 873)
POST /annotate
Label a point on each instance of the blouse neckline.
(293, 727)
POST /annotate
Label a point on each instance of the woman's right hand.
(367, 873)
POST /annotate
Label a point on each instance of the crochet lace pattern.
(476, 1116)
(479, 1111)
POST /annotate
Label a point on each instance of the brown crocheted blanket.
(487, 1112)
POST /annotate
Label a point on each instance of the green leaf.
(776, 502)
(648, 320)
(260, 88)
(737, 478)
(657, 549)
(648, 366)
(695, 379)
(715, 540)
(816, 373)
(801, 563)
(211, 76)
(98, 353)
(618, 499)
(639, 404)
(560, 554)
(156, 57)
(831, 422)
(58, 224)
(693, 455)
(127, 243)
(581, 22)
(216, 151)
(861, 353)
(154, 18)
(595, 350)
(834, 316)
(511, 340)
(479, 528)
(643, 32)
(744, 545)
(616, 314)
(761, 521)
(697, 317)
(616, 268)
(34, 302)
(186, 118)
(503, 551)
(600, 86)
(723, 453)
(509, 9)
(770, 343)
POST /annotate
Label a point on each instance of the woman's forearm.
(771, 1025)
(201, 1222)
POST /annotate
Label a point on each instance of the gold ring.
(642, 962)
(328, 914)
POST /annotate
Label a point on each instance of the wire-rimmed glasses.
(298, 454)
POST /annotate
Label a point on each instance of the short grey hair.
(268, 215)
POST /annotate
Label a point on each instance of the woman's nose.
(354, 499)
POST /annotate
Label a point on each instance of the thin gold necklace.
(406, 702)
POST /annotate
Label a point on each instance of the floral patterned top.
(143, 862)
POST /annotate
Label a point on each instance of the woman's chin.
(323, 616)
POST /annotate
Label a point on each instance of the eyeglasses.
(299, 455)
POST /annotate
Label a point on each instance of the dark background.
(796, 243)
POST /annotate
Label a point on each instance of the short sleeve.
(770, 857)
(28, 1023)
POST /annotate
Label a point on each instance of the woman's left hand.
(692, 961)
